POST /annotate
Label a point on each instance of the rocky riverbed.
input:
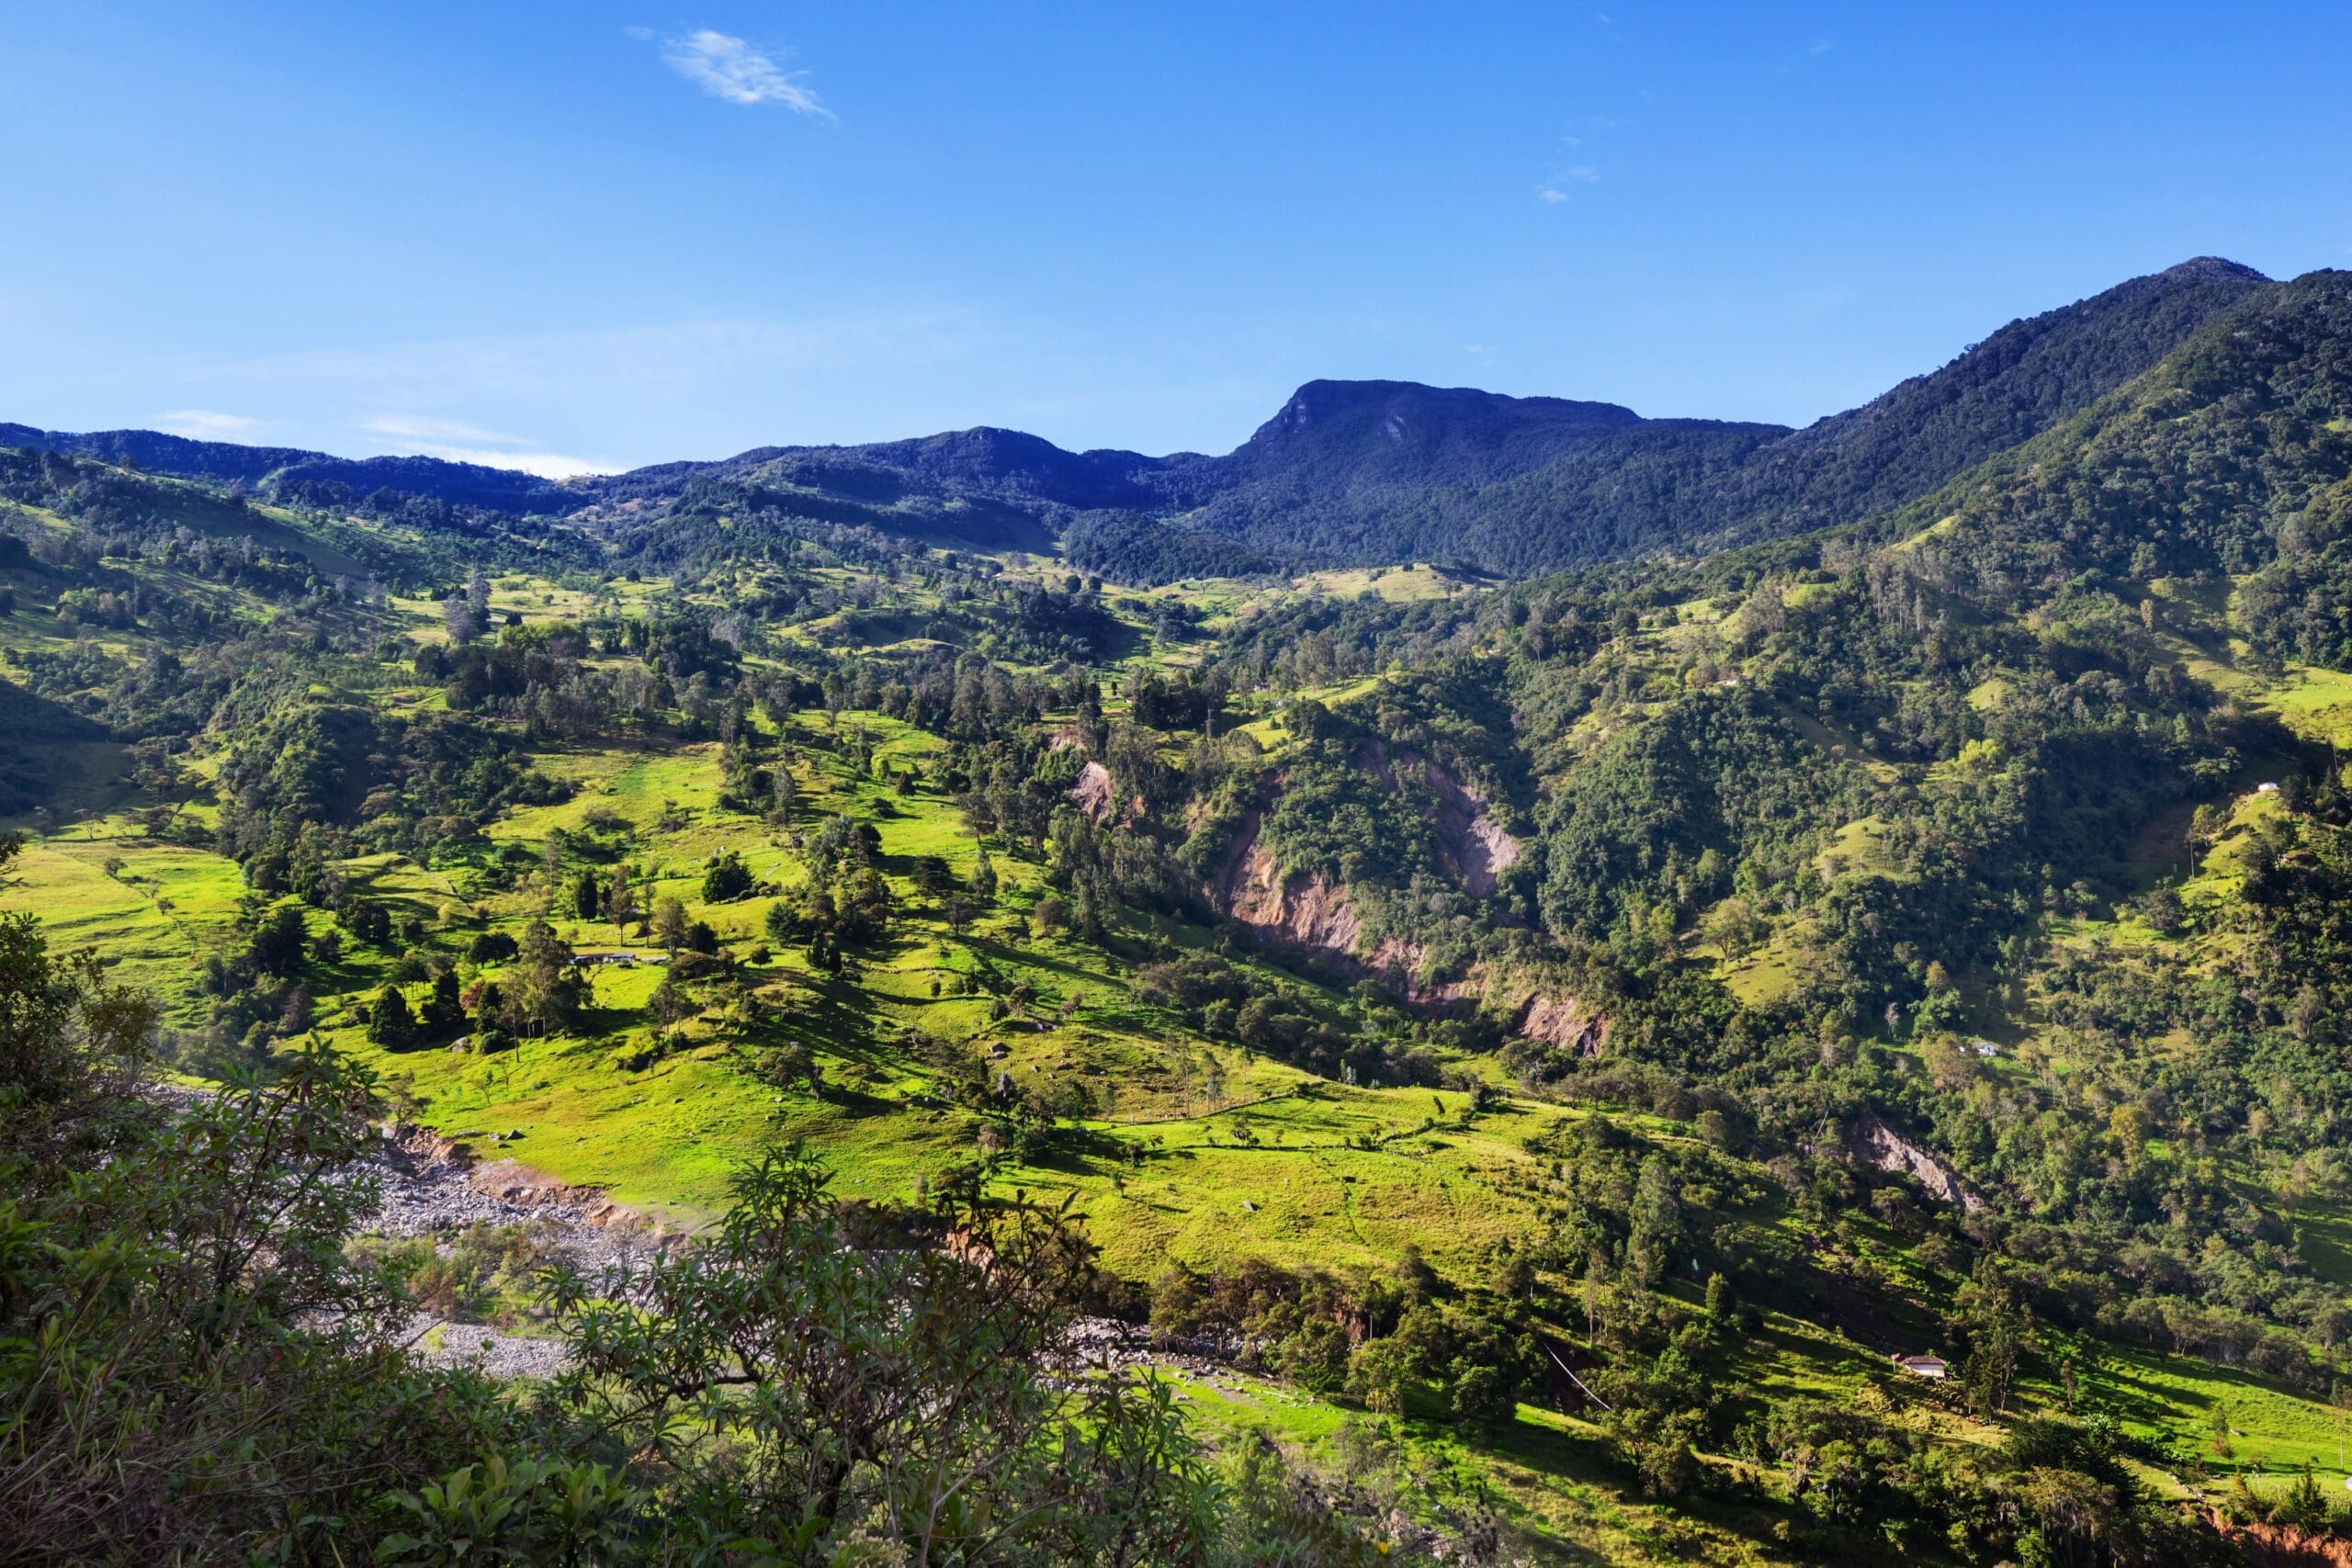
(432, 1186)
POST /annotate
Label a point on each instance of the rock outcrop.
(430, 1183)
(1302, 909)
(1472, 843)
(1093, 793)
(1562, 1023)
(1875, 1143)
(1309, 911)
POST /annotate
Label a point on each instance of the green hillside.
(1560, 1038)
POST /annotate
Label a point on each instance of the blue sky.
(569, 235)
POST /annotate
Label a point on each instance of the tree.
(1378, 1374)
(390, 1022)
(587, 894)
(1720, 1308)
(443, 1014)
(727, 880)
(669, 924)
(463, 622)
(794, 1062)
(278, 944)
(1654, 1221)
(890, 1390)
(1735, 927)
(670, 1003)
(492, 947)
(620, 902)
(545, 990)
(1952, 1062)
(781, 921)
(2130, 1127)
(984, 877)
(1990, 1324)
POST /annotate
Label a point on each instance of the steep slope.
(2024, 379)
(1675, 486)
(2231, 458)
(1344, 458)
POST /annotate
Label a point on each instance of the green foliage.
(190, 1367)
(810, 1379)
(532, 1510)
(727, 880)
(1872, 932)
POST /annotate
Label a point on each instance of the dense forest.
(1520, 959)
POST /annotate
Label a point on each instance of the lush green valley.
(1534, 1047)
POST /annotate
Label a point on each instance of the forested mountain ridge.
(1534, 1052)
(316, 474)
(1384, 472)
(2024, 379)
(1346, 472)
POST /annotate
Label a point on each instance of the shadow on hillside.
(998, 951)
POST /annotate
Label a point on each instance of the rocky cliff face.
(1093, 794)
(1475, 847)
(1303, 909)
(1309, 911)
(1562, 1022)
(1875, 1143)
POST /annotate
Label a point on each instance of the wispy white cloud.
(203, 424)
(1802, 57)
(454, 441)
(547, 465)
(513, 401)
(664, 358)
(1556, 188)
(409, 427)
(726, 67)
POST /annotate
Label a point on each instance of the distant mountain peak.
(1395, 408)
(2204, 267)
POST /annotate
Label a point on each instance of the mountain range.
(1350, 472)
